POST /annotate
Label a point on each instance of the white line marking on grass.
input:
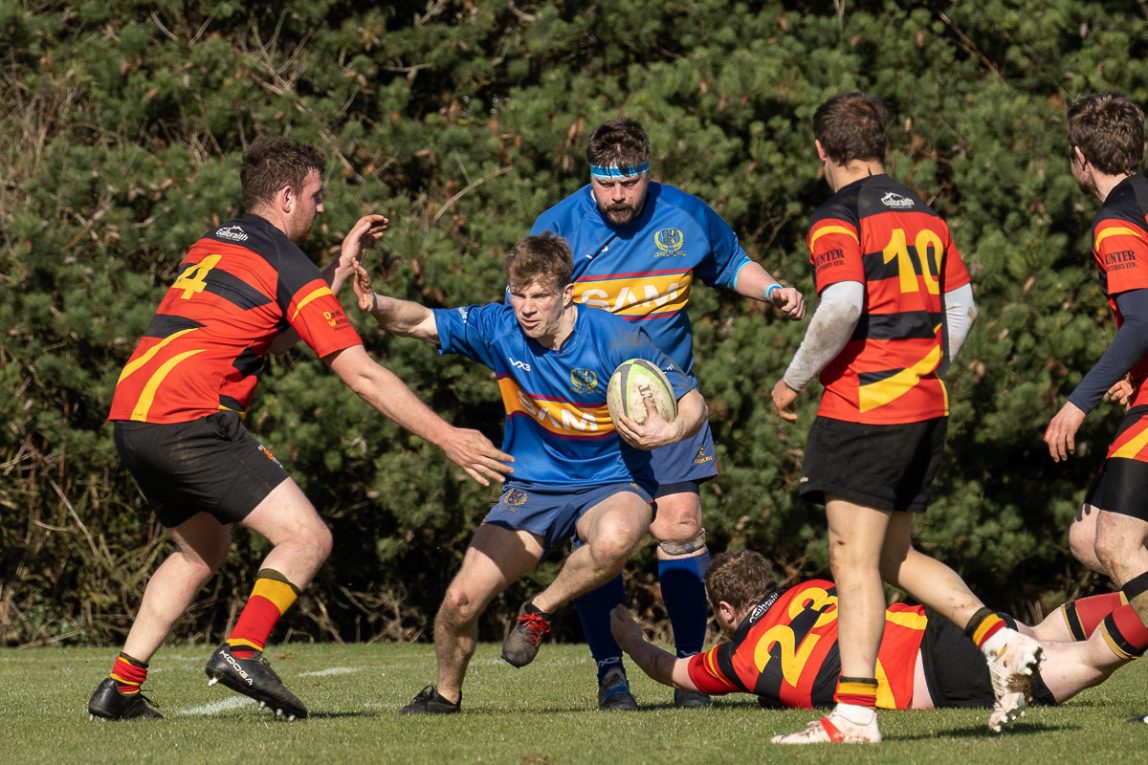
(216, 707)
(330, 671)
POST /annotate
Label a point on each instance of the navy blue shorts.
(550, 513)
(690, 460)
(211, 465)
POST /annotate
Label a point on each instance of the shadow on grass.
(980, 731)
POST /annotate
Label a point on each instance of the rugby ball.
(632, 383)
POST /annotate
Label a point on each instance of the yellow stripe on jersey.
(884, 694)
(143, 405)
(882, 392)
(1115, 231)
(560, 417)
(1132, 447)
(151, 352)
(817, 233)
(910, 619)
(312, 296)
(639, 295)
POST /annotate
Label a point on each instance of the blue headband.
(613, 171)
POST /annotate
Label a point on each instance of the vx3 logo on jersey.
(524, 366)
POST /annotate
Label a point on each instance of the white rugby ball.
(632, 383)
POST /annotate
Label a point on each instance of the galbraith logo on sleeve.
(896, 201)
(234, 233)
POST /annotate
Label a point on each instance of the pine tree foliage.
(120, 134)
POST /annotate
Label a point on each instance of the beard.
(619, 215)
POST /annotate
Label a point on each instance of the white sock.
(994, 645)
(854, 713)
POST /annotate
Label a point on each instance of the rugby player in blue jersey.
(639, 247)
(574, 477)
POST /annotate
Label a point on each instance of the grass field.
(544, 713)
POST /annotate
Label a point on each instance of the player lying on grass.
(783, 646)
(573, 478)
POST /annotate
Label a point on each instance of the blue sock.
(594, 611)
(684, 592)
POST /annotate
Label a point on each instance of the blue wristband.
(769, 292)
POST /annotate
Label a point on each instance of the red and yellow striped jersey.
(1120, 249)
(879, 233)
(785, 651)
(239, 287)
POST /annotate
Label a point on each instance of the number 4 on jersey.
(194, 280)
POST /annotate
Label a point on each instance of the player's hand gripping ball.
(632, 383)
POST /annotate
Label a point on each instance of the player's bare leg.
(496, 558)
(300, 543)
(300, 539)
(1122, 548)
(609, 531)
(1082, 538)
(202, 544)
(856, 536)
(1012, 657)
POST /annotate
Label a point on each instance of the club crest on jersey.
(896, 201)
(234, 233)
(513, 497)
(583, 380)
(669, 241)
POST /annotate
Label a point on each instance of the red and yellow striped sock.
(270, 599)
(128, 673)
(858, 691)
(984, 624)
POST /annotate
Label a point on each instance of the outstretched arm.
(382, 389)
(658, 664)
(399, 317)
(753, 281)
(361, 236)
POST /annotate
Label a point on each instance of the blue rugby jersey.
(557, 425)
(644, 270)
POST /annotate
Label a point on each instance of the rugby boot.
(430, 702)
(1011, 669)
(521, 643)
(108, 703)
(833, 729)
(690, 699)
(254, 677)
(614, 692)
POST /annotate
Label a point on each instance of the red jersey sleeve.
(317, 315)
(706, 674)
(1121, 252)
(835, 252)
